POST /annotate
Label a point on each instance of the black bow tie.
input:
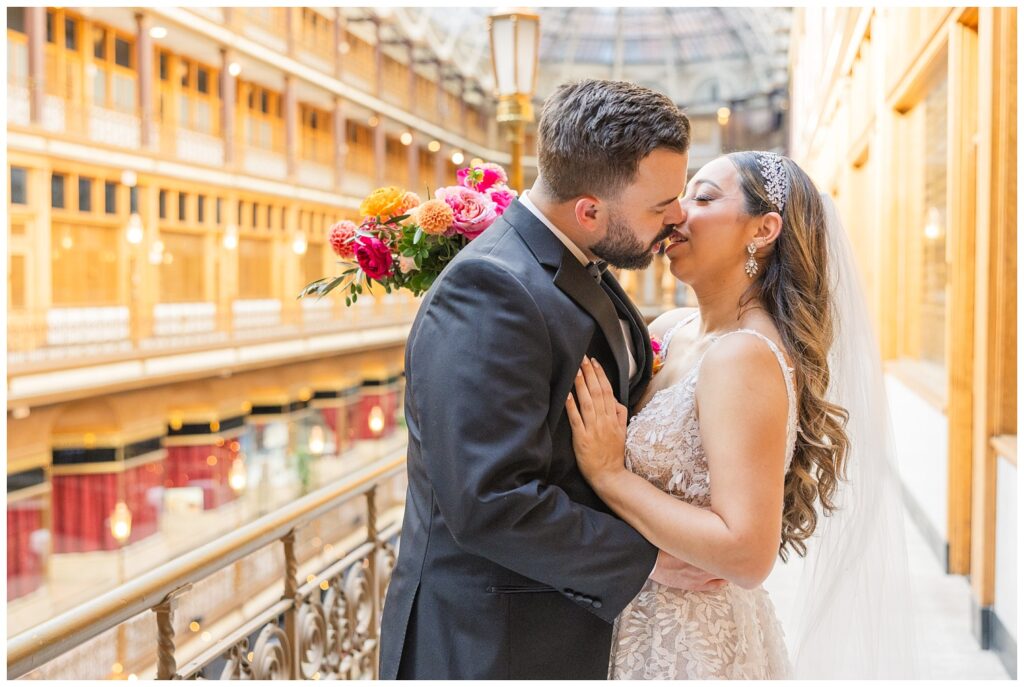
(597, 268)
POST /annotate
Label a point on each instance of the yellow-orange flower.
(384, 202)
(409, 201)
(435, 216)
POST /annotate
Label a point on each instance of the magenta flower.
(474, 211)
(478, 178)
(502, 197)
(374, 257)
(497, 169)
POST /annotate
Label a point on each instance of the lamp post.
(515, 41)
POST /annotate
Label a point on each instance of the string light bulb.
(121, 522)
(376, 420)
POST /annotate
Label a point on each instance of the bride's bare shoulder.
(666, 321)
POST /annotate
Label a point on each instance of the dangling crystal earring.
(751, 265)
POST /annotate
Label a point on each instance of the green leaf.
(418, 237)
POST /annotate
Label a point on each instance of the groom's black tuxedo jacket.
(510, 566)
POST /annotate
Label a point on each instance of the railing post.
(166, 663)
(291, 593)
(371, 536)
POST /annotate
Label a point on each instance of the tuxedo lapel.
(574, 280)
(643, 354)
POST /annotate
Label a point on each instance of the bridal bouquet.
(404, 243)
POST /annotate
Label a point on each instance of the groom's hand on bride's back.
(672, 572)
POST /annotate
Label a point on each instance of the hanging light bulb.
(234, 69)
(406, 138)
(376, 420)
(458, 157)
(434, 146)
(121, 522)
(134, 232)
(299, 244)
(231, 237)
(236, 476)
(316, 440)
(156, 252)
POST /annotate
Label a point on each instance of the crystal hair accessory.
(776, 179)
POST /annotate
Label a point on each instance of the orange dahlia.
(435, 216)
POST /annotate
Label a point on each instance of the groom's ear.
(588, 210)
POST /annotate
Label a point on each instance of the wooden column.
(463, 119)
(292, 22)
(379, 152)
(440, 104)
(144, 55)
(39, 290)
(291, 125)
(339, 36)
(340, 143)
(228, 85)
(412, 151)
(378, 60)
(35, 26)
(995, 326)
(962, 106)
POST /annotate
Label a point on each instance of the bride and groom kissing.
(569, 514)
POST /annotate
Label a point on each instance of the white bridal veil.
(853, 610)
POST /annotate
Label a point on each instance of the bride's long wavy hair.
(792, 285)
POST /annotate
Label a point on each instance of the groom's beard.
(621, 248)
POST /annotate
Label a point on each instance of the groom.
(510, 566)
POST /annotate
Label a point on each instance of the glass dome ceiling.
(651, 45)
(596, 35)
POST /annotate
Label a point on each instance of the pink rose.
(373, 257)
(341, 236)
(473, 211)
(502, 197)
(477, 178)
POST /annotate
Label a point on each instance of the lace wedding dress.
(669, 634)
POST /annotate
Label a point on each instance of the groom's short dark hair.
(593, 134)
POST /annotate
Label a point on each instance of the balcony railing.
(324, 626)
(58, 336)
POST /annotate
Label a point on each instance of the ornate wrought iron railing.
(325, 627)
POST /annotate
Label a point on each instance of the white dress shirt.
(575, 250)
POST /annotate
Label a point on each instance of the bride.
(764, 435)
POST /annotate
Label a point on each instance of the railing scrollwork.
(321, 627)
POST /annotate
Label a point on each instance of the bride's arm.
(742, 403)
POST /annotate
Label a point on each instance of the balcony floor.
(942, 603)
